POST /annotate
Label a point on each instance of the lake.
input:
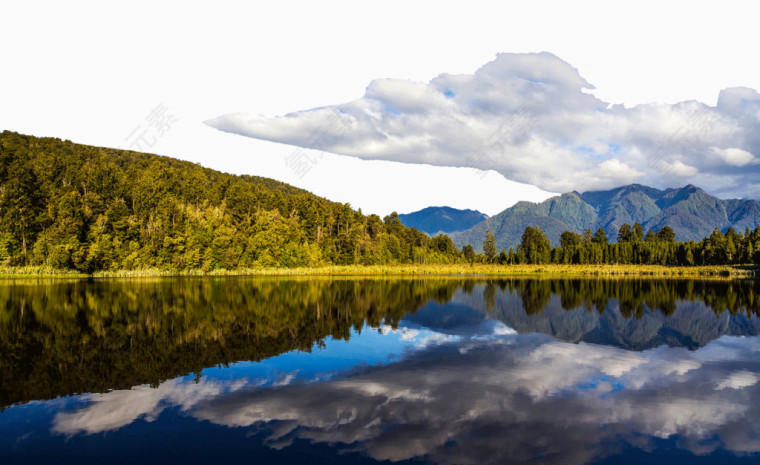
(367, 370)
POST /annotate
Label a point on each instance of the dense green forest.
(632, 247)
(72, 206)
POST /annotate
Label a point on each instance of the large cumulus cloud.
(534, 119)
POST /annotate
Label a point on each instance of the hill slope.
(435, 220)
(690, 211)
(69, 205)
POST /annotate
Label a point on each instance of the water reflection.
(677, 313)
(510, 399)
(65, 338)
(440, 370)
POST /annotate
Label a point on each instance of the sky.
(150, 75)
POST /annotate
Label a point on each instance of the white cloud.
(734, 156)
(680, 169)
(532, 118)
(616, 169)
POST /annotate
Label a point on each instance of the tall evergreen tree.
(666, 234)
(534, 246)
(638, 232)
(570, 239)
(489, 246)
(624, 233)
(600, 237)
(469, 253)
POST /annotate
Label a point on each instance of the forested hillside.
(87, 208)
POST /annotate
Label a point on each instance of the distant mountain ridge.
(435, 220)
(689, 210)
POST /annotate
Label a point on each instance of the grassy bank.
(38, 271)
(379, 270)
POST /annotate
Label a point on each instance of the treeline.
(633, 247)
(86, 208)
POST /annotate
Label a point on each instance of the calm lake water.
(439, 370)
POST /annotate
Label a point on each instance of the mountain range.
(689, 210)
(446, 220)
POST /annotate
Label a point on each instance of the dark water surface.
(438, 370)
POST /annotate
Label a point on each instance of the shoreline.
(724, 271)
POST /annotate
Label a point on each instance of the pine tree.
(624, 233)
(489, 247)
(749, 252)
(534, 246)
(689, 258)
(638, 232)
(666, 234)
(600, 237)
(588, 236)
(469, 253)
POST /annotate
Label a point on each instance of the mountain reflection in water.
(449, 371)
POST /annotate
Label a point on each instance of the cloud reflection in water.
(483, 400)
